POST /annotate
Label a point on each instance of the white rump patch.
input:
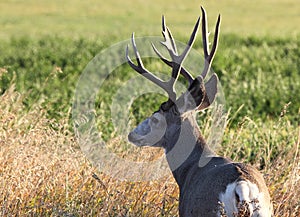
(242, 193)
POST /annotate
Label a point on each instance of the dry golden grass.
(43, 173)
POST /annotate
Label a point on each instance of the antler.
(176, 62)
(176, 59)
(170, 40)
(208, 56)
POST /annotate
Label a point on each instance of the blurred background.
(104, 19)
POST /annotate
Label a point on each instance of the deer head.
(162, 128)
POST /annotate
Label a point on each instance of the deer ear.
(211, 88)
(193, 97)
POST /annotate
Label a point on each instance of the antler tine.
(204, 33)
(216, 38)
(177, 60)
(169, 42)
(144, 72)
(176, 63)
(192, 38)
(208, 56)
(183, 71)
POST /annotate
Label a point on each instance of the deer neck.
(188, 148)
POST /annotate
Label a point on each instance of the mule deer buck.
(221, 187)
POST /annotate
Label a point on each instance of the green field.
(117, 19)
(44, 48)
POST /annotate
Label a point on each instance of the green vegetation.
(45, 46)
(259, 73)
(116, 19)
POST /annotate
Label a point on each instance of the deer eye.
(154, 120)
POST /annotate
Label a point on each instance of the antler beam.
(176, 63)
(208, 56)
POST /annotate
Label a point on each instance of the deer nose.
(131, 137)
